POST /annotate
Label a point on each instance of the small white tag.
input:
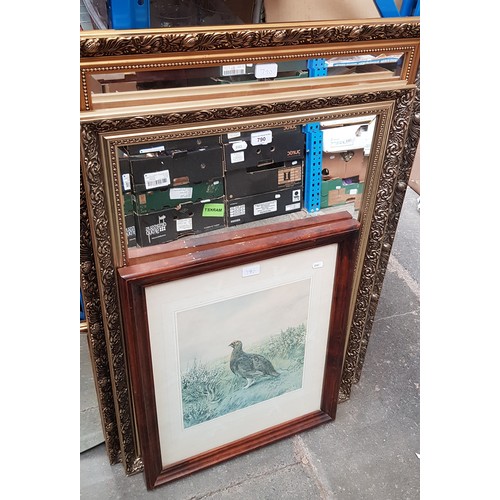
(238, 157)
(239, 145)
(157, 179)
(318, 265)
(126, 182)
(232, 135)
(234, 69)
(181, 193)
(353, 191)
(265, 208)
(152, 150)
(268, 70)
(250, 270)
(294, 206)
(184, 224)
(261, 138)
(296, 195)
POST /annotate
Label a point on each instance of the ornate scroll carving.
(95, 332)
(106, 281)
(216, 114)
(388, 204)
(94, 182)
(410, 148)
(253, 37)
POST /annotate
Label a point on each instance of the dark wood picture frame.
(280, 240)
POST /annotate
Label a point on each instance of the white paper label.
(152, 150)
(239, 145)
(353, 191)
(294, 206)
(126, 182)
(157, 179)
(232, 135)
(238, 157)
(233, 69)
(236, 211)
(318, 265)
(185, 193)
(265, 208)
(268, 70)
(250, 270)
(261, 138)
(296, 195)
(184, 224)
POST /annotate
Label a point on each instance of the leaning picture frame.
(102, 135)
(236, 346)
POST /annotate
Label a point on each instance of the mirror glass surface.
(370, 65)
(175, 189)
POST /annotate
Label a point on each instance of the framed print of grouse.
(232, 347)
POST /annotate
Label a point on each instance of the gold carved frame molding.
(100, 137)
(154, 50)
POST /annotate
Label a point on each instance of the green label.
(213, 210)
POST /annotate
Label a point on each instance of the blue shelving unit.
(387, 8)
(313, 166)
(128, 14)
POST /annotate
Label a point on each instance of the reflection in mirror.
(345, 161)
(197, 77)
(370, 66)
(179, 188)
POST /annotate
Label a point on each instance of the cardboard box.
(263, 206)
(177, 169)
(334, 192)
(153, 201)
(344, 165)
(184, 220)
(346, 138)
(263, 147)
(250, 181)
(319, 10)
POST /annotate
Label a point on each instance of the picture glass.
(239, 350)
(265, 359)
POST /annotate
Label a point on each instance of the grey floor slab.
(369, 452)
(90, 421)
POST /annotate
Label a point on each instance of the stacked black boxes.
(177, 189)
(263, 173)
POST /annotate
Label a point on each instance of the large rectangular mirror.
(363, 137)
(140, 67)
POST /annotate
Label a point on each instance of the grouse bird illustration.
(249, 366)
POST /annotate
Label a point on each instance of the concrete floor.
(369, 452)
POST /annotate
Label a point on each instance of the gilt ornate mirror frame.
(108, 51)
(388, 176)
